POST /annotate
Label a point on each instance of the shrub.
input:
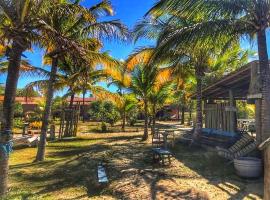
(104, 111)
(132, 116)
(35, 125)
(244, 110)
(18, 123)
(34, 116)
(18, 110)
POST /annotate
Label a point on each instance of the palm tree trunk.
(8, 109)
(83, 107)
(124, 121)
(71, 100)
(190, 114)
(178, 112)
(154, 119)
(149, 120)
(145, 135)
(183, 109)
(47, 112)
(183, 114)
(265, 107)
(199, 118)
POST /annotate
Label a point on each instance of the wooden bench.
(160, 154)
(26, 140)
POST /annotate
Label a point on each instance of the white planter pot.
(248, 167)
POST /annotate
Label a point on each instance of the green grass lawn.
(70, 171)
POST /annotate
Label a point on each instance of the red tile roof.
(34, 100)
(24, 100)
(79, 100)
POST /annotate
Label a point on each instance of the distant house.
(31, 103)
(28, 103)
(80, 101)
(168, 112)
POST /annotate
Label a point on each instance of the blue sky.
(129, 12)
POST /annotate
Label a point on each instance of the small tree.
(18, 110)
(133, 116)
(105, 112)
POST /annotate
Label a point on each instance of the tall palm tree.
(67, 38)
(143, 78)
(195, 56)
(232, 18)
(146, 77)
(20, 22)
(121, 78)
(160, 95)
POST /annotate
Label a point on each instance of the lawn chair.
(157, 139)
(242, 147)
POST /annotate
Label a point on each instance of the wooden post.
(204, 118)
(25, 129)
(232, 113)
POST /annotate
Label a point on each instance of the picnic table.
(162, 153)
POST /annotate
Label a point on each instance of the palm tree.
(121, 78)
(231, 18)
(234, 19)
(180, 53)
(124, 103)
(67, 38)
(19, 23)
(160, 95)
(143, 78)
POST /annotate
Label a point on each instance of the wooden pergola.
(220, 108)
(219, 98)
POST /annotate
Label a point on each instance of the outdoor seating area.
(127, 162)
(161, 139)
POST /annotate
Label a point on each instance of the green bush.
(57, 106)
(34, 116)
(18, 110)
(132, 116)
(18, 123)
(104, 111)
(244, 110)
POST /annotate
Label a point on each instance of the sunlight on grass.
(69, 171)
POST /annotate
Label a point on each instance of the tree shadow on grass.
(217, 171)
(78, 166)
(128, 164)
